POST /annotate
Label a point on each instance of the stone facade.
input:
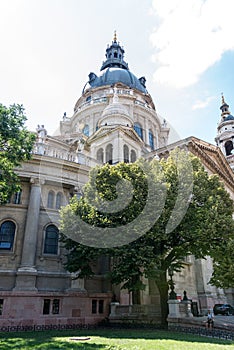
(114, 120)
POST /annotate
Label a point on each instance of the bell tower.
(225, 133)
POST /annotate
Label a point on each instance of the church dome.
(113, 75)
(115, 70)
(229, 117)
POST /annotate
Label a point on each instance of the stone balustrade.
(142, 313)
(143, 104)
(103, 99)
(47, 150)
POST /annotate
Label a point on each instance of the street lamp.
(172, 294)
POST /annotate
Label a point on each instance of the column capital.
(36, 181)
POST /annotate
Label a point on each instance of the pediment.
(108, 130)
(213, 158)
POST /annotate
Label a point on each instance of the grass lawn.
(110, 339)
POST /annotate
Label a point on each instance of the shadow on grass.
(150, 334)
(46, 340)
(30, 343)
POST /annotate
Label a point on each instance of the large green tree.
(16, 144)
(188, 212)
(223, 263)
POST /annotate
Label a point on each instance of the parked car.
(223, 309)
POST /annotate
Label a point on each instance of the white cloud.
(203, 104)
(191, 36)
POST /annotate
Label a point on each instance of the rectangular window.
(1, 306)
(51, 306)
(55, 306)
(97, 306)
(46, 307)
(17, 197)
(101, 306)
(94, 306)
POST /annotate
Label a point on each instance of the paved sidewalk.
(223, 326)
(224, 322)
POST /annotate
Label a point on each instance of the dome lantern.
(226, 114)
(114, 55)
(115, 70)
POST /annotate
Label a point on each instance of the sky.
(184, 48)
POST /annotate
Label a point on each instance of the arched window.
(151, 139)
(126, 154)
(86, 130)
(133, 156)
(100, 155)
(109, 153)
(51, 240)
(138, 129)
(7, 235)
(59, 198)
(50, 200)
(228, 148)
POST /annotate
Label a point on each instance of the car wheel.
(227, 313)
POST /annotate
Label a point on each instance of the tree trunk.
(136, 297)
(163, 291)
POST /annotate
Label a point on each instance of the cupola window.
(86, 130)
(228, 148)
(138, 129)
(151, 139)
(100, 155)
(133, 156)
(109, 154)
(126, 154)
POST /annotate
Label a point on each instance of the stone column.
(26, 275)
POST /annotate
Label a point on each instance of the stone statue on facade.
(41, 133)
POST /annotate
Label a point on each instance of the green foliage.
(16, 144)
(223, 262)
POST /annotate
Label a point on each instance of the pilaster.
(26, 275)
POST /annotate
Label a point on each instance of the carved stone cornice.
(210, 155)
